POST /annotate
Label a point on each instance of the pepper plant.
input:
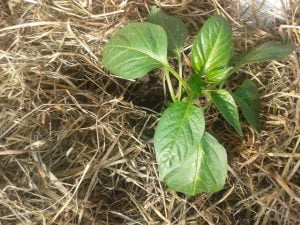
(191, 160)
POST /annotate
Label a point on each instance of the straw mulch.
(76, 144)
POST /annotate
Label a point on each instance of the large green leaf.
(212, 48)
(204, 170)
(176, 30)
(135, 50)
(268, 51)
(248, 98)
(177, 135)
(226, 105)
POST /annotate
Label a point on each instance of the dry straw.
(75, 143)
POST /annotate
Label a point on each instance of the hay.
(76, 150)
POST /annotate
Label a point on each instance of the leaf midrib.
(179, 128)
(213, 48)
(134, 49)
(197, 169)
(223, 110)
(177, 131)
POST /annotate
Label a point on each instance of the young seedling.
(190, 160)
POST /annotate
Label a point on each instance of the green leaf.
(212, 47)
(176, 30)
(135, 50)
(226, 105)
(195, 84)
(248, 98)
(268, 51)
(177, 135)
(204, 170)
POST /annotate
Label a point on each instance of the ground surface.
(76, 144)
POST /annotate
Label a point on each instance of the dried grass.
(76, 150)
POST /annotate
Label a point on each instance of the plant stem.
(180, 74)
(170, 87)
(177, 76)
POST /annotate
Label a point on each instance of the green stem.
(170, 87)
(206, 91)
(177, 76)
(180, 74)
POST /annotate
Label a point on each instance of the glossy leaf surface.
(176, 30)
(135, 50)
(212, 47)
(248, 98)
(204, 170)
(226, 105)
(177, 135)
